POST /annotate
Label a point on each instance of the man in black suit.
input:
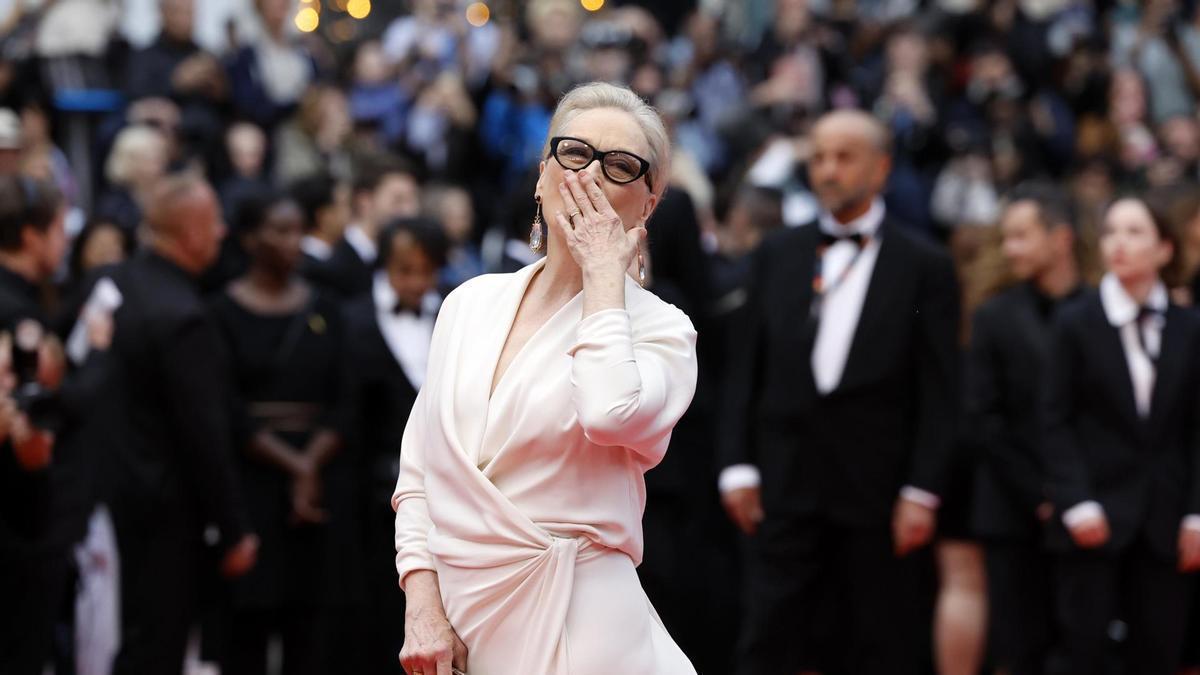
(390, 331)
(384, 189)
(171, 471)
(839, 424)
(325, 202)
(1010, 342)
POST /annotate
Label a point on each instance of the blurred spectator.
(1008, 355)
(268, 78)
(378, 104)
(163, 115)
(42, 157)
(11, 143)
(1148, 39)
(439, 128)
(285, 339)
(789, 62)
(174, 67)
(752, 214)
(390, 329)
(434, 39)
(451, 208)
(315, 139)
(1179, 140)
(325, 203)
(100, 243)
(246, 148)
(171, 471)
(384, 189)
(32, 244)
(137, 160)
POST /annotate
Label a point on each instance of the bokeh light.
(592, 5)
(307, 19)
(478, 14)
(359, 9)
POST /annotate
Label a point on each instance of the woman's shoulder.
(649, 312)
(475, 292)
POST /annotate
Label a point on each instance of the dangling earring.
(641, 270)
(537, 240)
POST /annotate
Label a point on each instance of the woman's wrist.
(603, 271)
(422, 597)
(603, 288)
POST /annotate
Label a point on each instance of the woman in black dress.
(285, 341)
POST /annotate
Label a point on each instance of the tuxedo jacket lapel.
(1112, 351)
(1168, 371)
(800, 299)
(385, 356)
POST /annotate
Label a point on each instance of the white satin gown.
(528, 504)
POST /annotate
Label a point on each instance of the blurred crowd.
(362, 175)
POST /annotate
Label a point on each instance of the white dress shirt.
(1122, 311)
(407, 336)
(362, 243)
(841, 309)
(843, 302)
(316, 248)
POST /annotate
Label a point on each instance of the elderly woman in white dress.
(550, 392)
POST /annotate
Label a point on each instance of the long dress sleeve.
(408, 501)
(412, 513)
(630, 385)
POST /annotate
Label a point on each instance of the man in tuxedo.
(1010, 343)
(384, 189)
(839, 424)
(390, 331)
(326, 205)
(171, 471)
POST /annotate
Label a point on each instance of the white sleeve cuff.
(1082, 512)
(918, 496)
(1192, 522)
(737, 477)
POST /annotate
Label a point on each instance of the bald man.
(838, 424)
(171, 465)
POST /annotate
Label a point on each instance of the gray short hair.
(118, 168)
(594, 95)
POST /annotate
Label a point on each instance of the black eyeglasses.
(619, 166)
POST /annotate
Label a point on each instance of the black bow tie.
(1146, 312)
(857, 238)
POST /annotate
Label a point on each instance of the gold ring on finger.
(575, 214)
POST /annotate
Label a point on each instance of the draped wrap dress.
(528, 502)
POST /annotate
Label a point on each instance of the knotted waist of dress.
(509, 585)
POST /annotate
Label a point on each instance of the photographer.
(32, 243)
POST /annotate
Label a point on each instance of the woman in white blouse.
(550, 392)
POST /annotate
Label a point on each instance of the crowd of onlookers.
(362, 177)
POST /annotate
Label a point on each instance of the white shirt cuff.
(918, 496)
(1192, 522)
(1082, 512)
(737, 477)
